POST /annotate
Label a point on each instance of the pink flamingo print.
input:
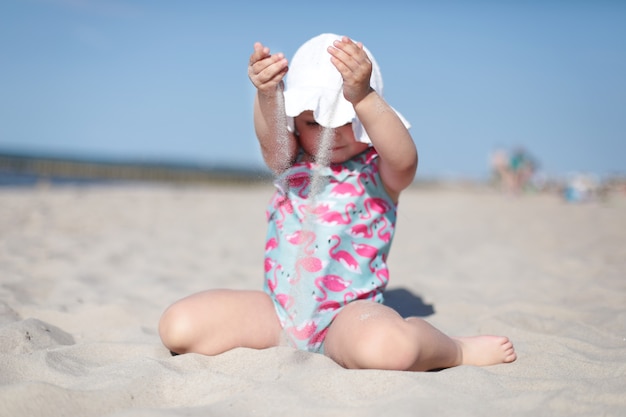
(307, 263)
(383, 233)
(368, 295)
(337, 168)
(362, 230)
(304, 331)
(272, 283)
(369, 157)
(348, 297)
(346, 189)
(383, 276)
(328, 305)
(369, 292)
(360, 295)
(271, 244)
(331, 283)
(366, 251)
(285, 300)
(318, 338)
(375, 204)
(320, 208)
(269, 264)
(342, 256)
(285, 208)
(303, 237)
(326, 216)
(300, 181)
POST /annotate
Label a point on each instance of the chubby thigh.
(215, 321)
(367, 334)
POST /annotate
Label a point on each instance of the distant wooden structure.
(50, 168)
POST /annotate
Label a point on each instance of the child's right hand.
(266, 71)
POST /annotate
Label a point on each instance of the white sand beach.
(85, 273)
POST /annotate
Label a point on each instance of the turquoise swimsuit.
(326, 250)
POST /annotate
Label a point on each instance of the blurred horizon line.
(21, 167)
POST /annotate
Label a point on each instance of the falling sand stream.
(317, 181)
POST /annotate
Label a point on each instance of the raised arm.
(392, 140)
(266, 72)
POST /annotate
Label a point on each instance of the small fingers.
(271, 67)
(266, 70)
(351, 54)
(259, 53)
(350, 59)
(355, 67)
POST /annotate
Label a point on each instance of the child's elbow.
(406, 172)
(398, 178)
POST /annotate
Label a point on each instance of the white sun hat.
(313, 83)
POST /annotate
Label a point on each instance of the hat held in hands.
(313, 83)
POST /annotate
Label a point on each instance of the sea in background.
(17, 179)
(31, 169)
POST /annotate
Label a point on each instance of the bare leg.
(370, 335)
(212, 322)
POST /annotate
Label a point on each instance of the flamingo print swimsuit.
(326, 247)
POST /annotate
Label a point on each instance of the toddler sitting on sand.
(341, 156)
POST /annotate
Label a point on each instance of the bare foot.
(485, 350)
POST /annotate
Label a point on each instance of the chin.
(338, 159)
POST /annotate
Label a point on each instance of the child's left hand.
(355, 67)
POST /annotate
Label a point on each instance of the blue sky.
(167, 80)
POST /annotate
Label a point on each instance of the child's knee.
(385, 346)
(176, 329)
